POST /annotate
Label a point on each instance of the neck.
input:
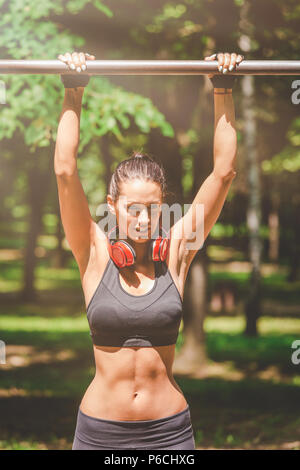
(141, 251)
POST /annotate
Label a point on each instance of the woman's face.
(138, 208)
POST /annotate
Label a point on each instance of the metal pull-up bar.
(151, 67)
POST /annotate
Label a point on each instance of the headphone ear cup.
(150, 250)
(154, 249)
(165, 245)
(130, 253)
(159, 249)
(164, 248)
(122, 253)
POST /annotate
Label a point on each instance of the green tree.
(33, 103)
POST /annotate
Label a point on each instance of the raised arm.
(75, 214)
(213, 191)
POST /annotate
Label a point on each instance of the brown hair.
(138, 165)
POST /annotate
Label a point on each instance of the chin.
(144, 237)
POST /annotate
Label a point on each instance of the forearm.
(225, 137)
(68, 132)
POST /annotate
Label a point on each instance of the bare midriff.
(133, 383)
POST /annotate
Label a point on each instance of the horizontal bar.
(151, 67)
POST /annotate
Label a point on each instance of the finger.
(82, 60)
(226, 62)
(232, 61)
(76, 61)
(69, 60)
(62, 57)
(220, 61)
(90, 56)
(240, 58)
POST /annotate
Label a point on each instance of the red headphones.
(123, 254)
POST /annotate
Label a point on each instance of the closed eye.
(135, 209)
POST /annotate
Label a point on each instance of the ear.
(111, 206)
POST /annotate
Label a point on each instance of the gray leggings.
(171, 432)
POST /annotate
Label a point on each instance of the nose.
(144, 218)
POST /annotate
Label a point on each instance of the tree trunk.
(273, 221)
(38, 183)
(192, 355)
(295, 249)
(59, 257)
(106, 159)
(252, 304)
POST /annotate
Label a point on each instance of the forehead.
(141, 191)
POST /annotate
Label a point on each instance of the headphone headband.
(123, 254)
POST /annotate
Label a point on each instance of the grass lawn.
(249, 397)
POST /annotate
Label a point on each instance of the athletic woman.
(134, 294)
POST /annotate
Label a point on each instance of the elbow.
(64, 166)
(64, 170)
(225, 175)
(230, 175)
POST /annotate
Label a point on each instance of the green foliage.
(75, 6)
(170, 11)
(34, 101)
(109, 108)
(289, 157)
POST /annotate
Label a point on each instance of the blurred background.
(234, 355)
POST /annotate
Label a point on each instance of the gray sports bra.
(118, 318)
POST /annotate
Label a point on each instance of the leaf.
(103, 8)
